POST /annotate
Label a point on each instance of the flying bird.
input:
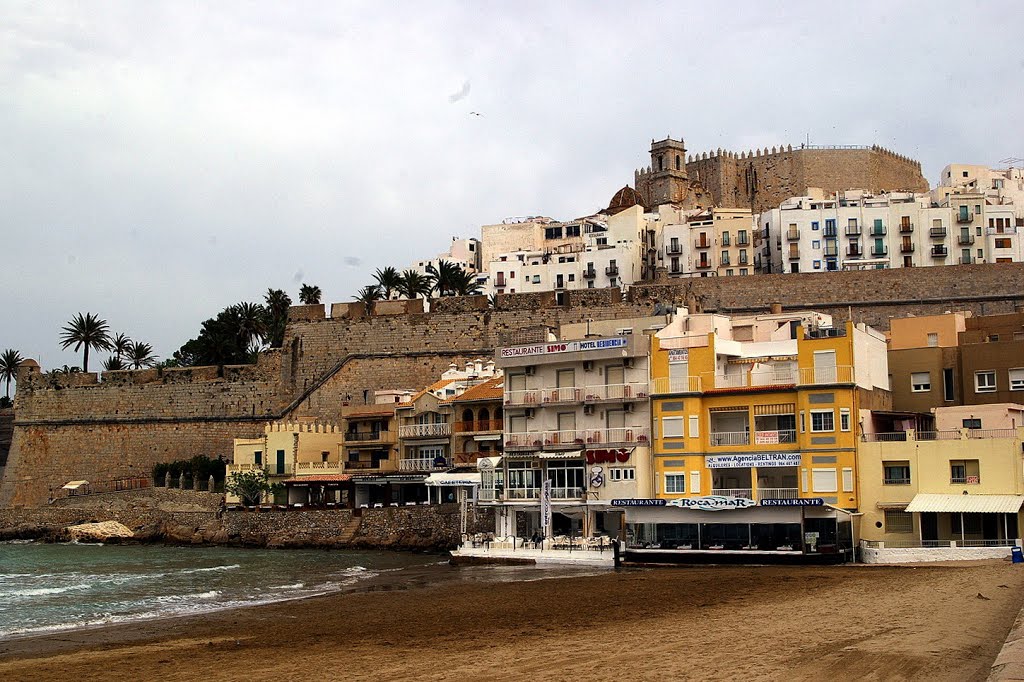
(475, 113)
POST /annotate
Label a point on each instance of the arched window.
(484, 416)
(467, 418)
(661, 162)
(678, 163)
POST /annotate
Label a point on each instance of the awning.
(319, 479)
(572, 454)
(968, 504)
(891, 505)
(453, 479)
(488, 462)
(74, 485)
(492, 436)
(382, 480)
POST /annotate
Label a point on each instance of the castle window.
(678, 163)
(661, 162)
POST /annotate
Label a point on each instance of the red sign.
(620, 455)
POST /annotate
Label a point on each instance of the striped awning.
(776, 409)
(572, 454)
(967, 504)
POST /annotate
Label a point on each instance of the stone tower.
(668, 182)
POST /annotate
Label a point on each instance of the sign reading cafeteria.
(564, 347)
(758, 459)
(712, 503)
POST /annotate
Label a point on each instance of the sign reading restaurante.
(759, 459)
(564, 347)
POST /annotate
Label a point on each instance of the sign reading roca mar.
(712, 503)
(564, 347)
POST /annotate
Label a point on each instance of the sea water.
(49, 587)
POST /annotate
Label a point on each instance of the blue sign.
(638, 503)
(794, 502)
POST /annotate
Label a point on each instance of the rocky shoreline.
(192, 518)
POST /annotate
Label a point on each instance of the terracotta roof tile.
(492, 389)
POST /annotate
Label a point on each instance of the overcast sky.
(162, 160)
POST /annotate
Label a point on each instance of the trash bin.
(1017, 554)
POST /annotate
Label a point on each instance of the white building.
(858, 230)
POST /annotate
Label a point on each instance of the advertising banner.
(754, 459)
(564, 347)
(545, 507)
(712, 503)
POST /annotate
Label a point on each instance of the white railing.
(918, 544)
(628, 434)
(746, 493)
(569, 493)
(521, 493)
(272, 468)
(842, 374)
(694, 341)
(424, 430)
(664, 385)
(777, 493)
(631, 391)
(562, 395)
(747, 379)
(305, 468)
(529, 397)
(729, 438)
(639, 435)
(421, 464)
(991, 433)
(957, 434)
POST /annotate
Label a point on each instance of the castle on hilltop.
(763, 178)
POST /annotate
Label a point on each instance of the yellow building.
(755, 436)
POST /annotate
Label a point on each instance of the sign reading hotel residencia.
(564, 347)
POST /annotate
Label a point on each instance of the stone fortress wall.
(90, 427)
(761, 179)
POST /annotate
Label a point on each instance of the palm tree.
(140, 355)
(86, 331)
(388, 280)
(277, 304)
(444, 276)
(119, 345)
(309, 294)
(414, 283)
(465, 284)
(9, 361)
(251, 319)
(113, 364)
(369, 294)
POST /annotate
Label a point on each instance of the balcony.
(480, 426)
(794, 254)
(725, 259)
(576, 438)
(615, 392)
(726, 240)
(965, 480)
(612, 271)
(879, 250)
(964, 217)
(743, 260)
(906, 247)
(247, 468)
(939, 252)
(703, 265)
(937, 232)
(906, 228)
(363, 466)
(792, 235)
(853, 230)
(589, 273)
(420, 464)
(728, 438)
(317, 468)
(830, 232)
(745, 493)
(831, 250)
(843, 374)
(499, 282)
(778, 493)
(702, 244)
(751, 379)
(674, 249)
(854, 251)
(365, 436)
(666, 386)
(425, 431)
(965, 239)
(742, 240)
(966, 260)
(878, 231)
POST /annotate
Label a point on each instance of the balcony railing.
(742, 240)
(964, 217)
(423, 464)
(362, 466)
(479, 426)
(562, 395)
(906, 247)
(425, 430)
(878, 231)
(831, 250)
(703, 265)
(882, 250)
(723, 438)
(965, 239)
(725, 240)
(895, 481)
(830, 232)
(702, 243)
(499, 282)
(937, 232)
(664, 385)
(939, 252)
(964, 480)
(742, 260)
(794, 254)
(725, 259)
(745, 493)
(778, 436)
(308, 468)
(636, 435)
(674, 249)
(744, 379)
(589, 273)
(616, 392)
(612, 270)
(245, 468)
(854, 252)
(906, 228)
(528, 397)
(367, 435)
(854, 231)
(792, 235)
(777, 493)
(842, 374)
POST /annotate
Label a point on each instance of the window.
(844, 419)
(572, 231)
(814, 224)
(896, 473)
(920, 382)
(617, 474)
(971, 423)
(947, 384)
(816, 244)
(743, 271)
(1017, 379)
(1003, 244)
(324, 456)
(933, 339)
(523, 481)
(694, 426)
(672, 427)
(823, 420)
(964, 472)
(817, 265)
(985, 381)
(536, 279)
(847, 479)
(675, 483)
(898, 521)
(257, 457)
(830, 224)
(824, 481)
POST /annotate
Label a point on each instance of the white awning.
(74, 485)
(453, 479)
(490, 436)
(573, 454)
(968, 504)
(488, 462)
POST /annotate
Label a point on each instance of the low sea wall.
(914, 555)
(188, 517)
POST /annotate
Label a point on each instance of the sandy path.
(752, 623)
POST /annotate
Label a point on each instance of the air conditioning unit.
(531, 370)
(530, 412)
(588, 409)
(628, 363)
(628, 407)
(588, 365)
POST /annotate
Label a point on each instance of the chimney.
(775, 308)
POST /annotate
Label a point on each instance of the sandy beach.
(797, 623)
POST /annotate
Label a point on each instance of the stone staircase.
(348, 532)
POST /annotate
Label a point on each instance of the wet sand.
(761, 623)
